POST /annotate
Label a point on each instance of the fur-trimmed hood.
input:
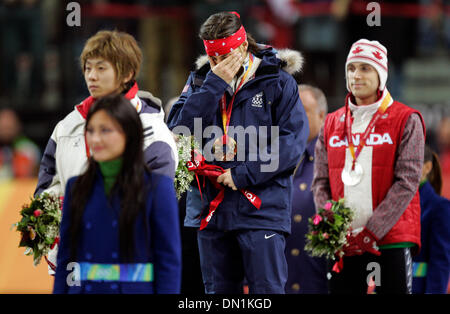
(291, 60)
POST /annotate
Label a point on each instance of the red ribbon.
(200, 167)
(338, 266)
(55, 242)
(363, 141)
(52, 266)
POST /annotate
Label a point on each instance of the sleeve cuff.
(214, 83)
(371, 234)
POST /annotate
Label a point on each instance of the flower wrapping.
(39, 226)
(328, 230)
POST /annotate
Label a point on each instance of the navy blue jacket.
(156, 237)
(435, 238)
(269, 99)
(306, 274)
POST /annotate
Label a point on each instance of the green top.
(397, 245)
(110, 169)
(422, 183)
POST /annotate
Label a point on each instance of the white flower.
(184, 177)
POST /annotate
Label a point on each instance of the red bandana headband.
(222, 46)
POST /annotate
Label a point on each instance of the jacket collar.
(131, 95)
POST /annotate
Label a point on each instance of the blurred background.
(41, 80)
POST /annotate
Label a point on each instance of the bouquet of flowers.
(39, 226)
(328, 230)
(183, 177)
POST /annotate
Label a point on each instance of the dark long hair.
(223, 24)
(129, 182)
(435, 175)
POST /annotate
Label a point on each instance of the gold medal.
(225, 151)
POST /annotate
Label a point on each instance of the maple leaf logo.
(377, 55)
(357, 50)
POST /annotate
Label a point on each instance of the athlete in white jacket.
(110, 62)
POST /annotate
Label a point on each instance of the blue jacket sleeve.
(285, 149)
(60, 284)
(47, 168)
(158, 157)
(201, 103)
(438, 269)
(166, 237)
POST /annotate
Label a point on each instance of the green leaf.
(41, 230)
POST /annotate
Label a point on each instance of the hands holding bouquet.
(328, 230)
(330, 234)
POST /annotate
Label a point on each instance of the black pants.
(392, 273)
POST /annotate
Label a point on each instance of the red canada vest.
(385, 141)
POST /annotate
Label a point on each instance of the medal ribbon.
(199, 167)
(339, 265)
(381, 110)
(226, 111)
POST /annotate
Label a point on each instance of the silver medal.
(352, 177)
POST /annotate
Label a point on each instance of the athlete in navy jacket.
(270, 128)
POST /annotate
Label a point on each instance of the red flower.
(328, 206)
(37, 213)
(328, 215)
(317, 219)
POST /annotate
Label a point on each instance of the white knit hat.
(373, 53)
